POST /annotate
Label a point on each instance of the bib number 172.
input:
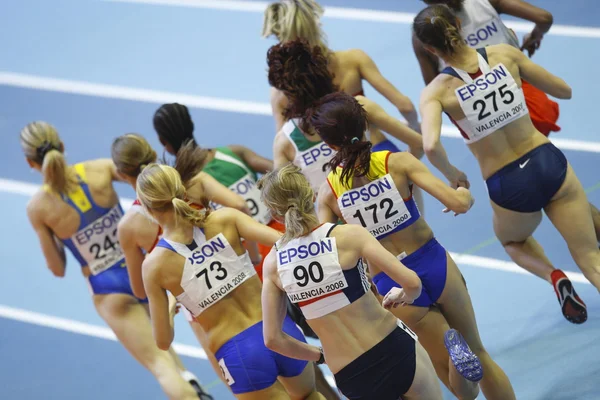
(480, 105)
(389, 213)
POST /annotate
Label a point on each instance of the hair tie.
(354, 140)
(292, 206)
(433, 19)
(43, 149)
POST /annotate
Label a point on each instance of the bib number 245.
(100, 251)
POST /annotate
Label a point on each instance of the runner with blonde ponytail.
(200, 259)
(72, 200)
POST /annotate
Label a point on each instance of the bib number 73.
(482, 105)
(219, 276)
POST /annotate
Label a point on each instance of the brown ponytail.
(341, 122)
(438, 27)
(190, 160)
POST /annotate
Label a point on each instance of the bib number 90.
(481, 105)
(312, 273)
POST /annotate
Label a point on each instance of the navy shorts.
(529, 183)
(385, 145)
(113, 280)
(385, 372)
(430, 264)
(248, 365)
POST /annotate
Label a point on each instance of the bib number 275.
(480, 105)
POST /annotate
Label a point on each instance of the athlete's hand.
(398, 296)
(468, 199)
(173, 305)
(532, 41)
(459, 179)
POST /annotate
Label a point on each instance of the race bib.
(313, 162)
(490, 102)
(226, 374)
(246, 187)
(310, 270)
(98, 243)
(212, 271)
(377, 206)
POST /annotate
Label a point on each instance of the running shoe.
(465, 361)
(573, 308)
(192, 380)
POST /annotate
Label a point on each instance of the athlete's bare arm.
(256, 162)
(214, 191)
(249, 229)
(521, 9)
(369, 71)
(52, 248)
(535, 74)
(131, 227)
(459, 201)
(367, 247)
(431, 111)
(274, 311)
(162, 310)
(325, 204)
(382, 120)
(428, 63)
(280, 156)
(278, 104)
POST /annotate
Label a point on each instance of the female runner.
(201, 261)
(372, 354)
(236, 167)
(73, 202)
(524, 172)
(481, 26)
(138, 234)
(289, 20)
(374, 190)
(302, 74)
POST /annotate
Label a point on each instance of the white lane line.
(204, 102)
(355, 14)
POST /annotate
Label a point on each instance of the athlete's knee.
(313, 395)
(509, 244)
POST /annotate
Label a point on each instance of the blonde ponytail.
(55, 171)
(184, 210)
(287, 194)
(159, 188)
(41, 144)
(295, 19)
